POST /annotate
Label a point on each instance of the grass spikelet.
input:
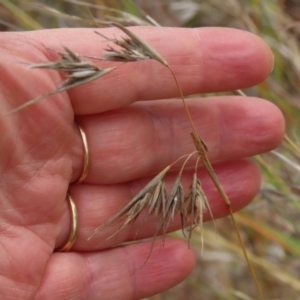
(133, 48)
(144, 47)
(195, 205)
(77, 73)
(130, 50)
(175, 203)
(150, 194)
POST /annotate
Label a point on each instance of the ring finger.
(97, 203)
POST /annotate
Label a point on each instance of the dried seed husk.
(78, 72)
(130, 51)
(196, 204)
(142, 44)
(134, 48)
(155, 200)
(151, 190)
(175, 202)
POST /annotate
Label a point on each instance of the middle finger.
(142, 139)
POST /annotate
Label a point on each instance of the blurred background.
(270, 225)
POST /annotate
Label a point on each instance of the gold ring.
(86, 163)
(74, 229)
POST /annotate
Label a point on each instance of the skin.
(130, 140)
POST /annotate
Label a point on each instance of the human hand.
(130, 140)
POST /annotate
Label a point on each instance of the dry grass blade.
(28, 22)
(10, 26)
(78, 72)
(59, 14)
(123, 17)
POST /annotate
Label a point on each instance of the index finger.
(203, 59)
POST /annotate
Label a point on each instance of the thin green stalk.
(20, 15)
(258, 288)
(292, 144)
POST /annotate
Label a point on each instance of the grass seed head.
(152, 195)
(130, 51)
(77, 71)
(133, 48)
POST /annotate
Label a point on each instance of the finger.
(96, 204)
(203, 59)
(120, 273)
(141, 140)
